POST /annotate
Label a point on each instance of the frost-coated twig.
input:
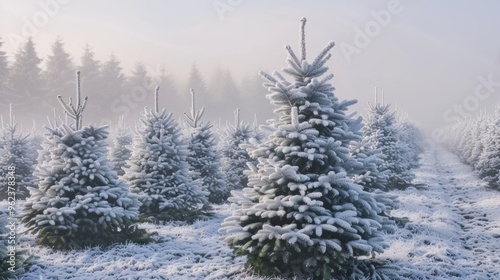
(237, 118)
(75, 112)
(255, 124)
(194, 119)
(11, 119)
(157, 89)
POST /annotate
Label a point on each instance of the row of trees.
(477, 143)
(30, 82)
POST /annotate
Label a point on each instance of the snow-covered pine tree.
(197, 82)
(381, 132)
(409, 134)
(203, 158)
(369, 161)
(79, 200)
(234, 155)
(365, 170)
(121, 151)
(480, 132)
(16, 155)
(158, 171)
(300, 214)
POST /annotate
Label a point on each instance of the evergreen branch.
(267, 77)
(292, 54)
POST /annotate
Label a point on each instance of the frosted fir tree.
(203, 158)
(381, 132)
(121, 150)
(301, 216)
(366, 171)
(234, 154)
(409, 134)
(158, 171)
(79, 201)
(16, 155)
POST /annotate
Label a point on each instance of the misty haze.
(233, 139)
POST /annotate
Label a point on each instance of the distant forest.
(31, 83)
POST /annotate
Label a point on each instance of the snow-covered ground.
(454, 228)
(453, 233)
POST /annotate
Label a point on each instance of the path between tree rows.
(454, 228)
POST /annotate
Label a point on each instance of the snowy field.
(453, 233)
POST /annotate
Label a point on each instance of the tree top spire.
(303, 38)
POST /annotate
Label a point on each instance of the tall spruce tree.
(112, 82)
(300, 214)
(489, 160)
(26, 82)
(90, 69)
(4, 74)
(79, 200)
(158, 171)
(203, 158)
(59, 70)
(121, 150)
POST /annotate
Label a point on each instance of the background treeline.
(30, 82)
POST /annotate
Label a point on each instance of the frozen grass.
(453, 233)
(182, 251)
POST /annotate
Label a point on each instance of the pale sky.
(428, 57)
